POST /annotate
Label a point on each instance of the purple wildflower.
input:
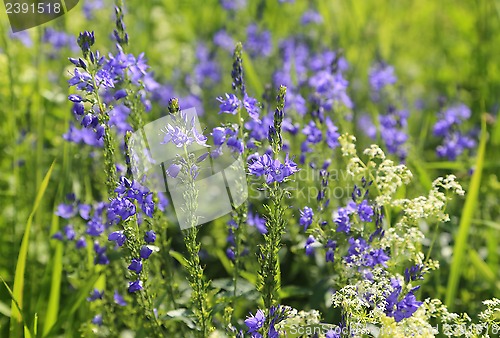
(135, 265)
(135, 286)
(119, 299)
(117, 237)
(365, 211)
(306, 217)
(381, 75)
(309, 248)
(229, 105)
(150, 237)
(145, 252)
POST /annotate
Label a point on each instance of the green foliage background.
(439, 48)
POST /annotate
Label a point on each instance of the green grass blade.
(481, 267)
(77, 301)
(16, 317)
(16, 303)
(55, 289)
(251, 77)
(466, 220)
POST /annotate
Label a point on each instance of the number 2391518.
(38, 8)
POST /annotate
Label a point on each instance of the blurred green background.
(438, 48)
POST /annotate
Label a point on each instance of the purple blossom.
(82, 81)
(342, 219)
(100, 251)
(95, 227)
(59, 39)
(258, 43)
(118, 237)
(311, 16)
(306, 217)
(182, 131)
(451, 117)
(65, 210)
(365, 211)
(233, 5)
(404, 308)
(229, 105)
(252, 107)
(361, 254)
(81, 243)
(69, 232)
(296, 102)
(224, 40)
(95, 295)
(393, 127)
(312, 132)
(145, 252)
(365, 123)
(206, 68)
(309, 248)
(414, 273)
(332, 134)
(257, 221)
(255, 323)
(331, 245)
(173, 170)
(219, 136)
(332, 334)
(381, 75)
(84, 136)
(119, 299)
(274, 170)
(58, 235)
(148, 205)
(97, 320)
(135, 286)
(135, 265)
(150, 237)
(120, 209)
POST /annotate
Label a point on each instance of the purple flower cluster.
(136, 263)
(206, 70)
(393, 130)
(330, 250)
(306, 217)
(455, 142)
(380, 76)
(309, 245)
(183, 131)
(258, 43)
(231, 104)
(59, 40)
(122, 207)
(361, 254)
(226, 136)
(256, 322)
(257, 221)
(404, 308)
(272, 169)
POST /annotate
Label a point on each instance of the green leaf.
(16, 320)
(179, 258)
(294, 291)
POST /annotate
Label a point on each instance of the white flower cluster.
(430, 207)
(299, 318)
